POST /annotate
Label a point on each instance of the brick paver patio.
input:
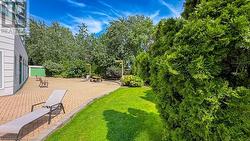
(78, 93)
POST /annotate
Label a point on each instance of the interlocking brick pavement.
(79, 92)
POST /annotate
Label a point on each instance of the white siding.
(20, 51)
(12, 47)
(1, 71)
(7, 47)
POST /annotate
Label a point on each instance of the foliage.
(189, 8)
(101, 57)
(67, 69)
(113, 72)
(165, 35)
(74, 68)
(121, 115)
(201, 72)
(127, 37)
(52, 46)
(45, 43)
(142, 66)
(124, 39)
(34, 43)
(53, 68)
(131, 81)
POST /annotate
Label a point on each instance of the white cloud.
(102, 14)
(74, 3)
(154, 15)
(113, 10)
(128, 13)
(99, 13)
(105, 22)
(171, 8)
(66, 25)
(105, 4)
(73, 28)
(94, 26)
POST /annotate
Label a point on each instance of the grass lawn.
(124, 115)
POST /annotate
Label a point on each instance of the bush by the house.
(132, 81)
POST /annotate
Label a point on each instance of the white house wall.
(12, 47)
(20, 51)
(7, 47)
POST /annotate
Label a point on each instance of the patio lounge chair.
(37, 78)
(43, 83)
(53, 103)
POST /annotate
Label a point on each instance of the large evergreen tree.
(202, 76)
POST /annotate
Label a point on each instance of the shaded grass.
(124, 115)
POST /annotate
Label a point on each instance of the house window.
(15, 71)
(23, 70)
(1, 70)
(20, 69)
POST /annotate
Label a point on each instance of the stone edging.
(44, 134)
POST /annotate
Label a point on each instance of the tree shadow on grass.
(150, 96)
(127, 126)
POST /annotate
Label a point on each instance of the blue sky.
(96, 14)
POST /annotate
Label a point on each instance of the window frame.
(2, 86)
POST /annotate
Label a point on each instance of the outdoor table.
(96, 79)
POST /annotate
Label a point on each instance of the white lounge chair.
(53, 103)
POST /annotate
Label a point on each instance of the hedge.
(200, 72)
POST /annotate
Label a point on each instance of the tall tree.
(35, 42)
(127, 37)
(54, 43)
(83, 43)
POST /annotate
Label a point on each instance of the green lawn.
(124, 115)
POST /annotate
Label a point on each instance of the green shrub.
(53, 68)
(142, 66)
(76, 68)
(131, 81)
(113, 72)
(68, 69)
